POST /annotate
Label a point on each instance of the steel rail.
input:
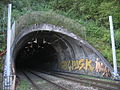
(79, 80)
(63, 88)
(73, 73)
(95, 80)
(31, 81)
(88, 81)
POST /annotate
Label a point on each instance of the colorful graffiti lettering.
(87, 65)
(77, 65)
(100, 67)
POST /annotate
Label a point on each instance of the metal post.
(12, 33)
(7, 72)
(113, 47)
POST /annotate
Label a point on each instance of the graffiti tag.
(82, 64)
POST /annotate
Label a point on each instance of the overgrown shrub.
(106, 9)
(117, 39)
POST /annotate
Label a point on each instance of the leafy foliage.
(117, 39)
(106, 9)
(50, 18)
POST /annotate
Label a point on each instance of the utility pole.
(113, 47)
(7, 71)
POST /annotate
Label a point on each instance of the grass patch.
(97, 78)
(49, 17)
(25, 86)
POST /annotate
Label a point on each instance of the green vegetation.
(91, 14)
(40, 17)
(25, 85)
(93, 77)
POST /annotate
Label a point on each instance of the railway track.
(43, 77)
(98, 84)
(115, 83)
(31, 81)
(107, 85)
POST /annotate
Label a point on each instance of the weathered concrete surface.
(58, 49)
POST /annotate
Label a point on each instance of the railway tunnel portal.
(45, 41)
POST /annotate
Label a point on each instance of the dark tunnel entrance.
(36, 56)
(43, 50)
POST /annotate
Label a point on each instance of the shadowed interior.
(43, 50)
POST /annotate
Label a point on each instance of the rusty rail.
(31, 81)
(92, 82)
(88, 81)
(48, 80)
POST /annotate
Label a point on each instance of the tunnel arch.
(59, 40)
(68, 48)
